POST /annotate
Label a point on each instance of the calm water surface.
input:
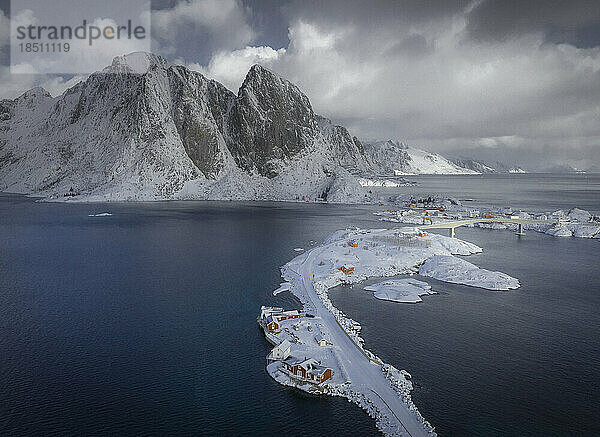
(144, 323)
(518, 363)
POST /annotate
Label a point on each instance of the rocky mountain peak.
(33, 97)
(34, 93)
(271, 122)
(261, 86)
(258, 75)
(136, 62)
(257, 71)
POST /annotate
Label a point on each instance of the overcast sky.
(517, 81)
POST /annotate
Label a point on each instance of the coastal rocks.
(582, 231)
(384, 423)
(365, 182)
(579, 215)
(284, 286)
(560, 231)
(495, 226)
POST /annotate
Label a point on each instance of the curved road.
(364, 374)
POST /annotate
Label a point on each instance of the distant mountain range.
(499, 167)
(480, 167)
(393, 157)
(143, 129)
(566, 168)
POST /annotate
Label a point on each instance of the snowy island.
(400, 290)
(319, 350)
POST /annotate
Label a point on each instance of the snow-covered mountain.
(143, 129)
(393, 157)
(471, 164)
(481, 167)
(348, 149)
(503, 168)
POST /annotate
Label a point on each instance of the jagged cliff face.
(393, 156)
(199, 108)
(348, 150)
(144, 129)
(271, 122)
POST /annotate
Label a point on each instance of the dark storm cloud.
(414, 45)
(197, 29)
(267, 19)
(575, 22)
(372, 13)
(449, 75)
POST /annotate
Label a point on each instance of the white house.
(268, 311)
(271, 317)
(280, 352)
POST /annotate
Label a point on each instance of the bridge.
(452, 225)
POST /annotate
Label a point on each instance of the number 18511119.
(44, 47)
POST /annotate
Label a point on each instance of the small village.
(430, 213)
(432, 209)
(319, 350)
(301, 351)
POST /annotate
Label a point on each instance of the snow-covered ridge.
(482, 167)
(459, 271)
(400, 159)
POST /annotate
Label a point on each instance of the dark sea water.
(518, 363)
(144, 323)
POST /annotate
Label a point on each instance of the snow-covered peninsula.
(319, 349)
